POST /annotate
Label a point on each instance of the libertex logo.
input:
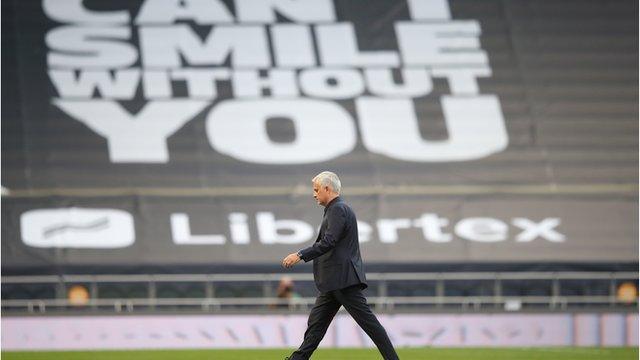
(274, 59)
(112, 228)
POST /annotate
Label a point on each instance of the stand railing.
(381, 300)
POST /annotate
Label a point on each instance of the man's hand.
(290, 260)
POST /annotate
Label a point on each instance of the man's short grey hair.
(327, 178)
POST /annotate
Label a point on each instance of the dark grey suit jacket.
(337, 263)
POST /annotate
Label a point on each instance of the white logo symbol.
(77, 228)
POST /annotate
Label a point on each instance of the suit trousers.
(326, 307)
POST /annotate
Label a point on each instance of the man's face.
(321, 193)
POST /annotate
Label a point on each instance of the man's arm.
(336, 220)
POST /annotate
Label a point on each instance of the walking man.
(337, 271)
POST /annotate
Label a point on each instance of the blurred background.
(157, 159)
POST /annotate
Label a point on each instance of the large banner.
(166, 132)
(280, 331)
(149, 231)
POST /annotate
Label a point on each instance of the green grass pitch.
(559, 353)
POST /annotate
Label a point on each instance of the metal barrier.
(382, 302)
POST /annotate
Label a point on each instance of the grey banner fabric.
(260, 230)
(159, 133)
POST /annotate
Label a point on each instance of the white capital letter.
(238, 128)
(72, 11)
(300, 11)
(338, 47)
(140, 138)
(475, 125)
(201, 83)
(181, 233)
(279, 82)
(429, 9)
(462, 81)
(122, 85)
(292, 45)
(202, 12)
(416, 82)
(331, 83)
(446, 44)
(87, 47)
(164, 46)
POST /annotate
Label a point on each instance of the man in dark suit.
(337, 271)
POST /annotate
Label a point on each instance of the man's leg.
(356, 304)
(320, 317)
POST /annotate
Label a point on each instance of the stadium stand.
(160, 162)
